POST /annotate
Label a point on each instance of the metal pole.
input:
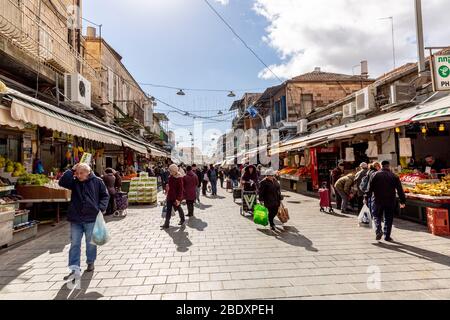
(419, 31)
(393, 42)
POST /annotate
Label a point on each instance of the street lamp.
(181, 92)
(231, 94)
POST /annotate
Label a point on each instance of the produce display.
(287, 171)
(15, 168)
(130, 176)
(33, 180)
(303, 172)
(412, 177)
(441, 189)
(298, 172)
(143, 189)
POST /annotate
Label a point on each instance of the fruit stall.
(296, 179)
(423, 194)
(38, 189)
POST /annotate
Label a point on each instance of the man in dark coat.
(190, 182)
(270, 195)
(212, 177)
(234, 176)
(383, 187)
(175, 194)
(89, 197)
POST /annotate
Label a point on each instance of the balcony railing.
(43, 36)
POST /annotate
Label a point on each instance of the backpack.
(364, 185)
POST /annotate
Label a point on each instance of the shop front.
(38, 142)
(425, 159)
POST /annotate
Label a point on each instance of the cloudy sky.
(181, 43)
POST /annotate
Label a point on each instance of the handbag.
(283, 213)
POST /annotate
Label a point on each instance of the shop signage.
(441, 73)
(327, 150)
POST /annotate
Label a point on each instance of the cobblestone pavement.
(222, 255)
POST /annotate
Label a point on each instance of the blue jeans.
(235, 183)
(213, 186)
(77, 230)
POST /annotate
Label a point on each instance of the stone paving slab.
(222, 255)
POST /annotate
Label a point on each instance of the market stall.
(296, 173)
(425, 159)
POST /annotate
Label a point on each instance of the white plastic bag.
(100, 235)
(365, 217)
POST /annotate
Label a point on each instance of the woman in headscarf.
(249, 180)
(175, 194)
(270, 194)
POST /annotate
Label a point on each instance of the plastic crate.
(6, 227)
(24, 234)
(438, 223)
(21, 217)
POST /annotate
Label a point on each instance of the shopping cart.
(325, 199)
(121, 200)
(249, 200)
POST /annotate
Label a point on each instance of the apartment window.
(283, 108)
(277, 111)
(307, 103)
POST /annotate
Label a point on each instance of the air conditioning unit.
(365, 100)
(349, 110)
(141, 132)
(77, 91)
(401, 93)
(302, 126)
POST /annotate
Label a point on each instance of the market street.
(222, 255)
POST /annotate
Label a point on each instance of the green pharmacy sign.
(441, 73)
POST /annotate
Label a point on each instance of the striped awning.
(445, 112)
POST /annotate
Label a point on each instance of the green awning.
(445, 112)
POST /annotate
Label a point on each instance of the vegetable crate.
(438, 223)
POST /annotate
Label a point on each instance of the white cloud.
(223, 2)
(336, 35)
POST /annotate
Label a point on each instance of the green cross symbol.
(444, 71)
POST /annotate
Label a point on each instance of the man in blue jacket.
(89, 197)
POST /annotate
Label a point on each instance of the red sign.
(327, 150)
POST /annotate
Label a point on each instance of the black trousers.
(204, 187)
(111, 205)
(221, 183)
(360, 203)
(190, 207)
(272, 214)
(171, 206)
(386, 210)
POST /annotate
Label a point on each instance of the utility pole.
(419, 32)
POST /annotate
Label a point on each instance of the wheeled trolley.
(249, 200)
(121, 200)
(325, 199)
(237, 194)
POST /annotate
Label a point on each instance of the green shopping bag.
(261, 215)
